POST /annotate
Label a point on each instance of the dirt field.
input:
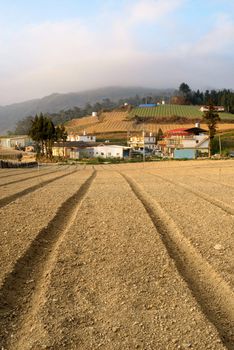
(132, 256)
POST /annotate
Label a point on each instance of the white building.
(110, 151)
(15, 141)
(216, 109)
(74, 136)
(185, 143)
(80, 150)
(143, 141)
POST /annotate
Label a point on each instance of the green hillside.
(173, 110)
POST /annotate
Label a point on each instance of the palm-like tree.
(211, 118)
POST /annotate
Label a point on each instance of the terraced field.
(174, 110)
(131, 256)
(119, 122)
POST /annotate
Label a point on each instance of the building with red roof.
(185, 143)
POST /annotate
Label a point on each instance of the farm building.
(143, 141)
(75, 136)
(79, 150)
(111, 151)
(71, 149)
(185, 143)
(20, 141)
(216, 108)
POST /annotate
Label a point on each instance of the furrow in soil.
(218, 203)
(22, 171)
(213, 294)
(220, 183)
(23, 289)
(8, 199)
(33, 176)
(114, 285)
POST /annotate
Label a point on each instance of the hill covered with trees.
(58, 105)
(181, 105)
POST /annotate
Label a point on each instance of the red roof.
(179, 132)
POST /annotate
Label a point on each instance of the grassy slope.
(227, 140)
(171, 110)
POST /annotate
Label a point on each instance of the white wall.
(84, 138)
(5, 143)
(195, 142)
(11, 142)
(108, 151)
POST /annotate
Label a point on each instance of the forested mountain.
(10, 114)
(63, 107)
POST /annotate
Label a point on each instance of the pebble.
(218, 247)
(115, 329)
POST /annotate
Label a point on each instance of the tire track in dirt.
(34, 176)
(218, 203)
(23, 290)
(13, 197)
(213, 294)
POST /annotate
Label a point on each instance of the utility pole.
(220, 146)
(128, 143)
(143, 134)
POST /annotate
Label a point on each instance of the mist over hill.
(10, 114)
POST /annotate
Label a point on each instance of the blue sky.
(61, 46)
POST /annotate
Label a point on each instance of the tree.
(34, 133)
(182, 96)
(159, 135)
(211, 118)
(43, 132)
(184, 89)
(61, 135)
(178, 100)
(49, 136)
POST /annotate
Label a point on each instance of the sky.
(60, 46)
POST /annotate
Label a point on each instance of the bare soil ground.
(131, 256)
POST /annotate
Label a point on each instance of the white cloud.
(72, 55)
(219, 39)
(153, 10)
